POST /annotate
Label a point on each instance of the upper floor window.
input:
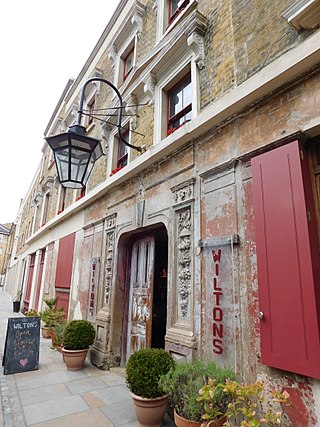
(120, 157)
(45, 209)
(90, 110)
(128, 63)
(179, 104)
(123, 151)
(62, 199)
(122, 49)
(81, 192)
(175, 7)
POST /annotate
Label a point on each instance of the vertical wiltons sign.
(21, 351)
(221, 314)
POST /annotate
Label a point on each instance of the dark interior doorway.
(159, 309)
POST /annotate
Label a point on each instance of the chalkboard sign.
(21, 351)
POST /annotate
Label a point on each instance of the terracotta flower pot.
(46, 332)
(183, 422)
(74, 359)
(150, 412)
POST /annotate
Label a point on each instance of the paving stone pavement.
(52, 396)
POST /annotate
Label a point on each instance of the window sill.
(90, 127)
(304, 14)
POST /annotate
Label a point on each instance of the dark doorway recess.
(159, 309)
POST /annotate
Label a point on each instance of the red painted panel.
(290, 327)
(63, 301)
(65, 261)
(29, 282)
(38, 287)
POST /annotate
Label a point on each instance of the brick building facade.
(206, 242)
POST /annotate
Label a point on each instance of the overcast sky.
(43, 44)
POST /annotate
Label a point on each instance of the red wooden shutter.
(64, 262)
(287, 261)
(64, 271)
(29, 282)
(38, 286)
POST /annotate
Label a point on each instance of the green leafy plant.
(51, 302)
(249, 405)
(51, 315)
(144, 369)
(58, 333)
(78, 335)
(31, 313)
(183, 382)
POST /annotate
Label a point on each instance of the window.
(120, 152)
(170, 13)
(175, 7)
(123, 151)
(62, 199)
(80, 193)
(179, 104)
(90, 111)
(45, 211)
(128, 62)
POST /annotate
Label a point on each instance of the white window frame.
(163, 26)
(113, 159)
(164, 84)
(45, 208)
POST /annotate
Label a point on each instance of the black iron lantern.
(74, 152)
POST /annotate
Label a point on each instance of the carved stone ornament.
(155, 6)
(183, 192)
(106, 133)
(149, 87)
(113, 55)
(131, 109)
(110, 227)
(184, 260)
(137, 18)
(111, 221)
(196, 43)
(109, 261)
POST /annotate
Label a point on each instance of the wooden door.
(141, 295)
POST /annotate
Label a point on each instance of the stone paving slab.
(54, 408)
(85, 385)
(120, 414)
(42, 394)
(85, 419)
(113, 394)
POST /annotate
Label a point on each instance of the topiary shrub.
(143, 371)
(78, 335)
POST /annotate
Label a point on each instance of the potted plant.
(17, 302)
(57, 336)
(51, 316)
(31, 313)
(250, 404)
(182, 384)
(77, 337)
(143, 371)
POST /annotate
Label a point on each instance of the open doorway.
(145, 311)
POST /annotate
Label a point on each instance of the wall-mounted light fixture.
(74, 152)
